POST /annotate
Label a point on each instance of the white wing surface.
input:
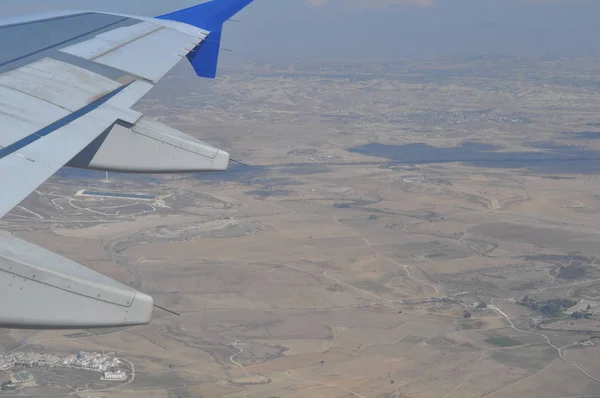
(67, 85)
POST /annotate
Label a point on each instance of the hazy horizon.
(363, 30)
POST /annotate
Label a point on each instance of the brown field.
(334, 269)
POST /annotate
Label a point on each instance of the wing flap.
(27, 163)
(21, 184)
(67, 141)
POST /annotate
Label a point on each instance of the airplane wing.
(68, 81)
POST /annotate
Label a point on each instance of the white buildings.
(115, 376)
(84, 360)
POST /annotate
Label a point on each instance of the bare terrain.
(402, 229)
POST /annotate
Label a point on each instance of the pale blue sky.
(363, 29)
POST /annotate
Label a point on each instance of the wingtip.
(210, 15)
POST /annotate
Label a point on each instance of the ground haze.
(422, 228)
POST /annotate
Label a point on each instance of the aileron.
(146, 49)
(109, 41)
(151, 56)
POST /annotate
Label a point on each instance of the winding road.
(559, 350)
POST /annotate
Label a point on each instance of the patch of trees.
(571, 272)
(582, 314)
(570, 266)
(552, 307)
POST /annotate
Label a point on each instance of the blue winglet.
(209, 16)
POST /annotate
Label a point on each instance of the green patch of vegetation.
(560, 317)
(342, 205)
(265, 193)
(553, 307)
(503, 342)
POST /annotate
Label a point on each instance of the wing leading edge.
(67, 101)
